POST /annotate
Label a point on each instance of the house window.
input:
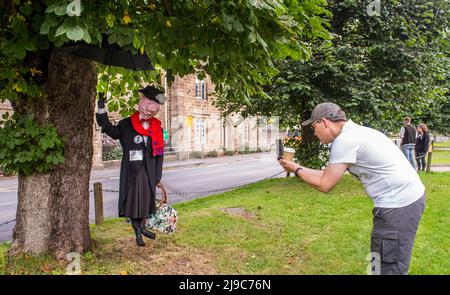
(200, 131)
(200, 88)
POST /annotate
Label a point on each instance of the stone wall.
(97, 162)
(5, 107)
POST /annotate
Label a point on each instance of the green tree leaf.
(86, 36)
(44, 29)
(75, 33)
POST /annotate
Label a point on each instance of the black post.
(98, 203)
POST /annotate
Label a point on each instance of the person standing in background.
(422, 145)
(408, 141)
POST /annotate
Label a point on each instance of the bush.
(28, 147)
(229, 152)
(3, 173)
(244, 152)
(312, 155)
(196, 155)
(111, 152)
(213, 154)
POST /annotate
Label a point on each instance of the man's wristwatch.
(296, 171)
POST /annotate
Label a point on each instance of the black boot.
(137, 231)
(145, 231)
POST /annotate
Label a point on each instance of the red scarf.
(154, 133)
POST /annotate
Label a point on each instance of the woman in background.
(421, 147)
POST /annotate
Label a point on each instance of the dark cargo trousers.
(393, 235)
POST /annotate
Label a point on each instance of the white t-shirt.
(386, 174)
(402, 132)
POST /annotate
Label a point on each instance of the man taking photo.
(388, 178)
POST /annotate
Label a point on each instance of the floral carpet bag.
(165, 218)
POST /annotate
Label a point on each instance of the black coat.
(422, 143)
(136, 176)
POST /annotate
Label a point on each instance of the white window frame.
(199, 131)
(200, 88)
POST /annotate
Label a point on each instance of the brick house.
(194, 124)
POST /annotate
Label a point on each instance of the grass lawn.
(278, 226)
(442, 144)
(440, 157)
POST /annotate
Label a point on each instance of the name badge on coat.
(136, 155)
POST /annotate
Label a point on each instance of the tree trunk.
(53, 208)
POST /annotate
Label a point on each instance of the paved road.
(199, 176)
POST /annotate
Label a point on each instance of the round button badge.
(138, 139)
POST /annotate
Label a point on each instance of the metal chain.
(202, 192)
(7, 222)
(113, 191)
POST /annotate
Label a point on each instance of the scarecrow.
(141, 139)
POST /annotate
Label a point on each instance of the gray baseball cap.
(327, 110)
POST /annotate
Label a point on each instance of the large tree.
(48, 141)
(379, 68)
